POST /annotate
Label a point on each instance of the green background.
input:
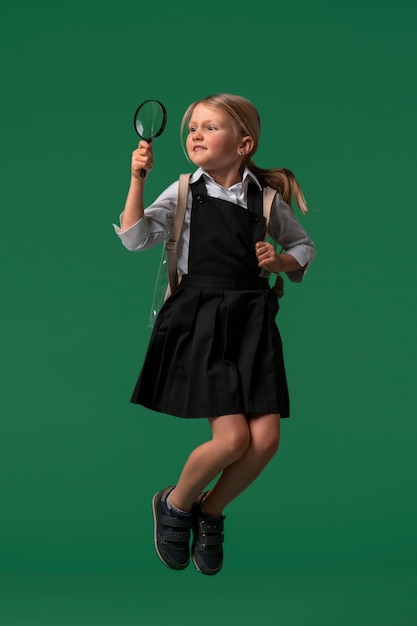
(327, 535)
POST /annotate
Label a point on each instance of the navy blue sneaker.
(172, 532)
(207, 548)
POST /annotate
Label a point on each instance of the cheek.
(188, 143)
(214, 143)
(189, 148)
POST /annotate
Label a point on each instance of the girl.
(215, 351)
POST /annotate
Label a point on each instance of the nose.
(197, 134)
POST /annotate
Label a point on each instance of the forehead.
(209, 113)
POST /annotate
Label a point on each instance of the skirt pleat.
(215, 350)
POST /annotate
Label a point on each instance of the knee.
(237, 443)
(266, 446)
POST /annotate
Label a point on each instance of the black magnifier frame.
(153, 133)
(163, 123)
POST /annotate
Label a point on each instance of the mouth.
(198, 148)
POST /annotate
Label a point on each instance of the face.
(213, 141)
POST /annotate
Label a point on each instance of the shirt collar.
(248, 176)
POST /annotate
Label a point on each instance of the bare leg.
(264, 442)
(230, 441)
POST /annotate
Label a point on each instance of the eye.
(211, 127)
(191, 129)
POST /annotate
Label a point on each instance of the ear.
(245, 146)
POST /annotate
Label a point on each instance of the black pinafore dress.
(215, 348)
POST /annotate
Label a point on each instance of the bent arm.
(298, 249)
(273, 262)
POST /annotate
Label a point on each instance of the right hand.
(142, 159)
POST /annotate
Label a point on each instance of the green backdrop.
(327, 535)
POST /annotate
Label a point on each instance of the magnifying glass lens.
(150, 119)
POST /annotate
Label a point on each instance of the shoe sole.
(206, 572)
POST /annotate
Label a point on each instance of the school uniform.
(215, 348)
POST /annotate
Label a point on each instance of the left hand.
(266, 255)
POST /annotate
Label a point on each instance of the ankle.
(208, 509)
(177, 506)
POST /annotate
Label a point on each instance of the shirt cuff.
(134, 237)
(303, 255)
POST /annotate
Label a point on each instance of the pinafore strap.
(171, 244)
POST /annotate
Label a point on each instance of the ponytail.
(284, 181)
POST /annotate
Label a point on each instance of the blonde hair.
(247, 121)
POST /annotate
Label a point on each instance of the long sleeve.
(287, 231)
(155, 225)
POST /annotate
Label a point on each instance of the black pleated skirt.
(215, 350)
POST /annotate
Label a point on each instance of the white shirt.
(154, 227)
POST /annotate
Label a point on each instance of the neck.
(227, 179)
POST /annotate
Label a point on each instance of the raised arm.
(142, 159)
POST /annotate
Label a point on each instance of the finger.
(262, 246)
(142, 153)
(145, 144)
(143, 148)
(142, 156)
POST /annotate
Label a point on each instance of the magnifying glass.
(149, 121)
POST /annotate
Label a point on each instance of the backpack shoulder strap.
(269, 195)
(171, 244)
